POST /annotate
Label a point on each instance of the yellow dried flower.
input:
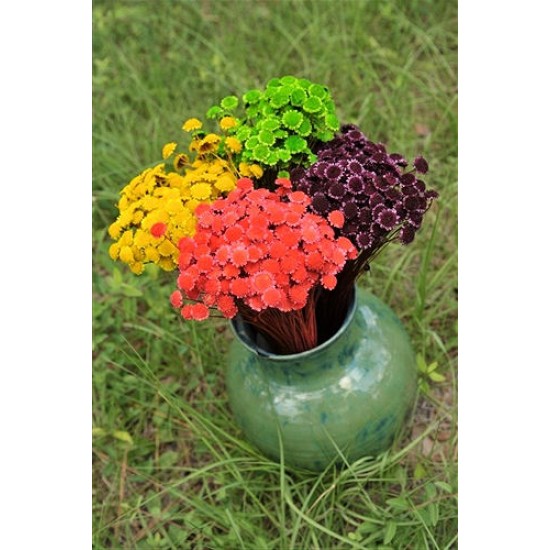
(126, 254)
(180, 160)
(227, 122)
(250, 170)
(201, 191)
(137, 268)
(114, 250)
(191, 124)
(233, 144)
(225, 183)
(168, 149)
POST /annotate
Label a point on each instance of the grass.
(170, 467)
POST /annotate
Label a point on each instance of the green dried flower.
(281, 123)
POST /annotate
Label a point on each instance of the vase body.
(347, 397)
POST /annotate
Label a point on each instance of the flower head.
(158, 207)
(258, 258)
(363, 191)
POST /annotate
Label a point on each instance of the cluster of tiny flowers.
(157, 207)
(258, 249)
(369, 185)
(279, 123)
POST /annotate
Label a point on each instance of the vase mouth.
(245, 334)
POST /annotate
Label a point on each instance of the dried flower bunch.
(273, 219)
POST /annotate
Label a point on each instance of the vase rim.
(257, 350)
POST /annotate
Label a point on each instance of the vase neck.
(321, 357)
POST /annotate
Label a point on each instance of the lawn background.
(170, 469)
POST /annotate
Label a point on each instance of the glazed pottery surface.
(349, 396)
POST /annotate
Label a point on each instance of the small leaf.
(433, 511)
(391, 528)
(260, 543)
(98, 432)
(168, 459)
(444, 486)
(117, 278)
(398, 503)
(419, 471)
(431, 491)
(131, 291)
(401, 475)
(368, 527)
(431, 367)
(423, 385)
(421, 363)
(436, 377)
(123, 436)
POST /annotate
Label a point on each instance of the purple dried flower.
(298, 173)
(378, 231)
(361, 179)
(381, 183)
(393, 194)
(398, 159)
(356, 185)
(350, 229)
(406, 234)
(377, 210)
(409, 190)
(416, 218)
(376, 200)
(387, 219)
(422, 204)
(319, 169)
(320, 203)
(365, 216)
(336, 191)
(364, 239)
(350, 210)
(408, 179)
(411, 203)
(354, 167)
(392, 180)
(421, 165)
(333, 172)
(379, 158)
(431, 194)
(420, 185)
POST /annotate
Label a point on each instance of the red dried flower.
(336, 218)
(257, 250)
(158, 229)
(176, 299)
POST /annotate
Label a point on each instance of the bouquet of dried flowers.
(273, 218)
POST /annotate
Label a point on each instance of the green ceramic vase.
(347, 397)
